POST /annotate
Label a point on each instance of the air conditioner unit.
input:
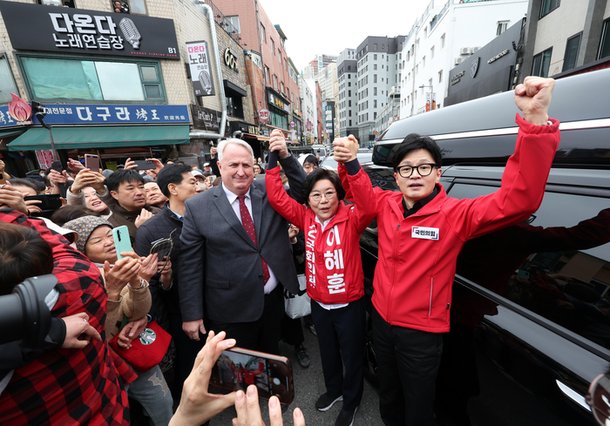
(465, 51)
(458, 61)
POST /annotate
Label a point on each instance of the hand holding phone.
(238, 368)
(197, 404)
(145, 164)
(92, 162)
(122, 243)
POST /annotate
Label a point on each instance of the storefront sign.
(230, 59)
(64, 114)
(204, 118)
(278, 103)
(498, 56)
(6, 119)
(91, 32)
(201, 71)
(457, 78)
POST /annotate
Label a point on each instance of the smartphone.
(92, 162)
(56, 165)
(122, 243)
(237, 368)
(49, 202)
(145, 164)
(162, 247)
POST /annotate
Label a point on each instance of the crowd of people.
(238, 233)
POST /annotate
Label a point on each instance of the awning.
(100, 137)
(7, 135)
(235, 88)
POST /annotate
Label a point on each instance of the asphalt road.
(309, 384)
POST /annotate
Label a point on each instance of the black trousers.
(292, 331)
(260, 335)
(341, 337)
(408, 362)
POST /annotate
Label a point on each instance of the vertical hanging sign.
(201, 70)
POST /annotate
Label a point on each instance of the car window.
(557, 264)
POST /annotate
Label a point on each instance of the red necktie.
(246, 221)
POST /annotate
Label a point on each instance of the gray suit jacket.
(221, 275)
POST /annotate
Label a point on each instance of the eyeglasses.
(317, 196)
(423, 170)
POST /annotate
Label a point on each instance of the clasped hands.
(345, 149)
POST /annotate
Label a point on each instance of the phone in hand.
(122, 243)
(92, 162)
(237, 368)
(48, 202)
(145, 164)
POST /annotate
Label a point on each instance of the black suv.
(530, 323)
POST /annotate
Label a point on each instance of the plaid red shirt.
(69, 386)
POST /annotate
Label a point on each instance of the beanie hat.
(84, 227)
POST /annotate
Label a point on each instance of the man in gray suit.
(233, 266)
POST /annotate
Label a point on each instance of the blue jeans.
(151, 390)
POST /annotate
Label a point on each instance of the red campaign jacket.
(69, 386)
(417, 254)
(333, 265)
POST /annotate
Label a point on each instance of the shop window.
(7, 82)
(55, 79)
(604, 44)
(571, 55)
(542, 61)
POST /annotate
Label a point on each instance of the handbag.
(147, 350)
(298, 305)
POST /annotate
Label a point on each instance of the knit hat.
(84, 227)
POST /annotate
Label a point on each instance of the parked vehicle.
(530, 321)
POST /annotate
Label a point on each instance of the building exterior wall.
(553, 30)
(441, 37)
(280, 86)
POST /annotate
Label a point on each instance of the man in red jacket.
(420, 234)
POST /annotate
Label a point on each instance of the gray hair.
(233, 141)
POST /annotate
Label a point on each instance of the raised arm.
(527, 170)
(287, 207)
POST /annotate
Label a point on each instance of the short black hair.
(171, 174)
(321, 174)
(413, 142)
(311, 159)
(121, 176)
(30, 183)
(23, 254)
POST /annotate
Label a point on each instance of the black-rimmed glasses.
(423, 170)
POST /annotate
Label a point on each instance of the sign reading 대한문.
(200, 68)
(90, 32)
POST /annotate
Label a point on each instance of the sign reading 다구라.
(64, 114)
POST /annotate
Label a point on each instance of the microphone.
(131, 33)
(206, 81)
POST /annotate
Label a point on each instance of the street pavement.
(309, 384)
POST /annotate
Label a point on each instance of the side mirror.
(598, 397)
